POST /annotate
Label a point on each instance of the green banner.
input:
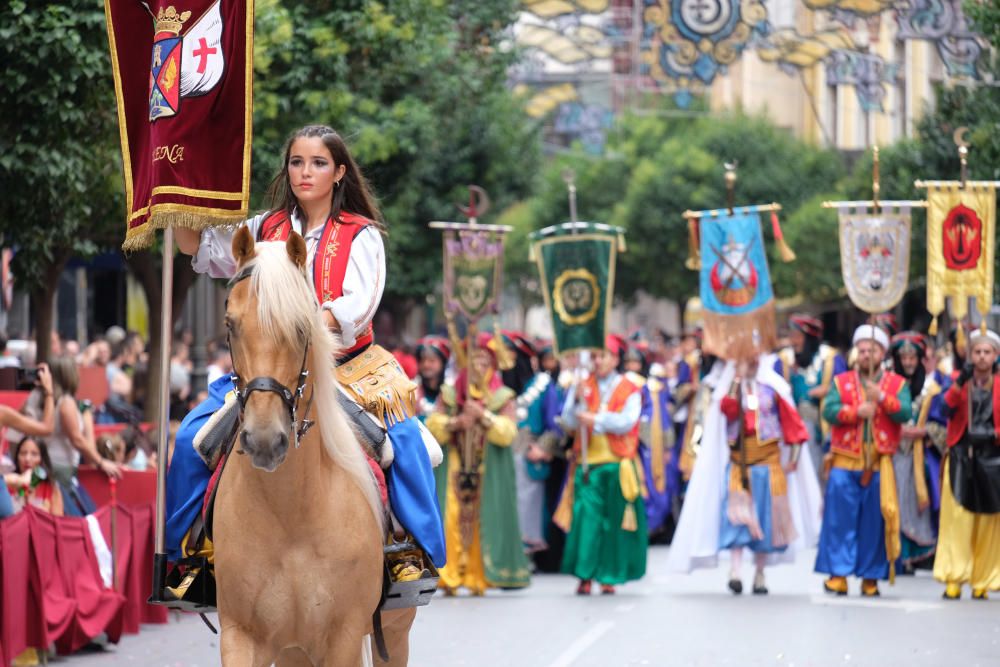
(576, 262)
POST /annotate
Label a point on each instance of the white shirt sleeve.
(364, 283)
(622, 422)
(215, 253)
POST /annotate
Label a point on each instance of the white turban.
(868, 332)
(977, 336)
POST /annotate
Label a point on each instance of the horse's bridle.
(266, 383)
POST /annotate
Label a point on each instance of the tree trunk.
(147, 269)
(42, 299)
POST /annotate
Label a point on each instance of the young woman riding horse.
(321, 194)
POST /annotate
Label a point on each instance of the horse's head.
(269, 317)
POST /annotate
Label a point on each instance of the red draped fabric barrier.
(134, 520)
(51, 590)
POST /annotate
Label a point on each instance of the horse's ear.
(296, 247)
(243, 250)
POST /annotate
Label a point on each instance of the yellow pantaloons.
(968, 549)
(453, 574)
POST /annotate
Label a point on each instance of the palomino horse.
(298, 518)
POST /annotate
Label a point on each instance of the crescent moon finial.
(958, 136)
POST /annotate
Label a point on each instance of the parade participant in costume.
(684, 394)
(866, 408)
(552, 454)
(433, 354)
(531, 457)
(607, 539)
(476, 420)
(968, 549)
(321, 194)
(657, 451)
(758, 514)
(917, 464)
(746, 489)
(809, 367)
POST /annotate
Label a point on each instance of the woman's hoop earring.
(336, 184)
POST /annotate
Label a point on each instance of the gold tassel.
(694, 246)
(959, 337)
(531, 252)
(932, 329)
(779, 238)
(563, 516)
(621, 242)
(982, 328)
(629, 522)
(505, 358)
(890, 512)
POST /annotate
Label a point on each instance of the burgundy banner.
(184, 85)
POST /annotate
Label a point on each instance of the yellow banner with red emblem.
(961, 227)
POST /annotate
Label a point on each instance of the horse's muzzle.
(266, 448)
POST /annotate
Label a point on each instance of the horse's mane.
(288, 311)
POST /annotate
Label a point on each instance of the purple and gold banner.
(184, 85)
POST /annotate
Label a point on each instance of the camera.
(27, 378)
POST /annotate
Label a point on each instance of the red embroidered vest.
(846, 438)
(330, 261)
(622, 445)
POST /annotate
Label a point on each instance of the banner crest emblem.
(576, 263)
(875, 255)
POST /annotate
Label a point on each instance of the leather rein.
(267, 384)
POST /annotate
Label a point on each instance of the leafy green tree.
(59, 170)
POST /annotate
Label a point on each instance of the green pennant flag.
(576, 261)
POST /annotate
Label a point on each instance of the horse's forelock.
(286, 303)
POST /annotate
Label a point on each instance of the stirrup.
(410, 578)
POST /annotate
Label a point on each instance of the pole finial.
(730, 183)
(569, 178)
(963, 150)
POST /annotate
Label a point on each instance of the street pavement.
(662, 620)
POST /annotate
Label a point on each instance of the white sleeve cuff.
(342, 313)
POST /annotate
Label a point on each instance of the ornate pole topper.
(875, 247)
(727, 248)
(961, 230)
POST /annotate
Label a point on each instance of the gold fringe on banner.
(694, 246)
(621, 242)
(740, 337)
(141, 237)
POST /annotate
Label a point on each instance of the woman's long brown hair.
(353, 195)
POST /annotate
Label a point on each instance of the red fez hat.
(614, 344)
